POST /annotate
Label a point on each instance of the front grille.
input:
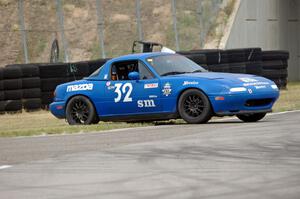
(258, 102)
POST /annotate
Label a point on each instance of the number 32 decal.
(123, 89)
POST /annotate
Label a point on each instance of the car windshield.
(173, 64)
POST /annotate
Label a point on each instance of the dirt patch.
(81, 27)
(118, 18)
(219, 27)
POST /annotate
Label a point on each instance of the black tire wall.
(20, 81)
(31, 86)
(270, 64)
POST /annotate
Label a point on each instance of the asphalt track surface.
(221, 159)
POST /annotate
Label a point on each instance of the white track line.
(269, 114)
(284, 112)
(85, 133)
(144, 127)
(5, 166)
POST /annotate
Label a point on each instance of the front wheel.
(252, 117)
(194, 107)
(80, 111)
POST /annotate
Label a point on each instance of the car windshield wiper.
(198, 71)
(173, 73)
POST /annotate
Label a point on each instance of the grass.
(289, 99)
(43, 123)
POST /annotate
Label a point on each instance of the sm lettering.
(145, 103)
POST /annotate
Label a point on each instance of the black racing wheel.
(254, 117)
(80, 111)
(194, 107)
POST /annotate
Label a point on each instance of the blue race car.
(162, 86)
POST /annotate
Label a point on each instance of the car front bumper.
(234, 104)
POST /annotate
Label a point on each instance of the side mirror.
(134, 76)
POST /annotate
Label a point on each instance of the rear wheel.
(252, 117)
(80, 111)
(194, 107)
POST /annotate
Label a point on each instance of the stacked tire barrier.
(270, 64)
(54, 74)
(20, 88)
(31, 86)
(274, 66)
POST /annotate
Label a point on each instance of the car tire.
(1, 73)
(275, 65)
(31, 82)
(254, 67)
(194, 107)
(30, 70)
(251, 117)
(13, 106)
(237, 68)
(13, 94)
(274, 74)
(253, 54)
(95, 64)
(236, 55)
(2, 96)
(53, 70)
(12, 72)
(1, 85)
(32, 104)
(12, 84)
(2, 107)
(81, 111)
(47, 98)
(275, 55)
(78, 69)
(49, 84)
(31, 93)
(222, 68)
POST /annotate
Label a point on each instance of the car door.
(130, 97)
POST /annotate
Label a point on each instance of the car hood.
(236, 79)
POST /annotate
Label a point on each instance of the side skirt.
(146, 117)
(232, 113)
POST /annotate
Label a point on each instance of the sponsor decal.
(167, 89)
(238, 89)
(250, 91)
(152, 85)
(79, 87)
(150, 60)
(260, 87)
(190, 83)
(255, 84)
(152, 96)
(146, 103)
(247, 79)
(109, 86)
